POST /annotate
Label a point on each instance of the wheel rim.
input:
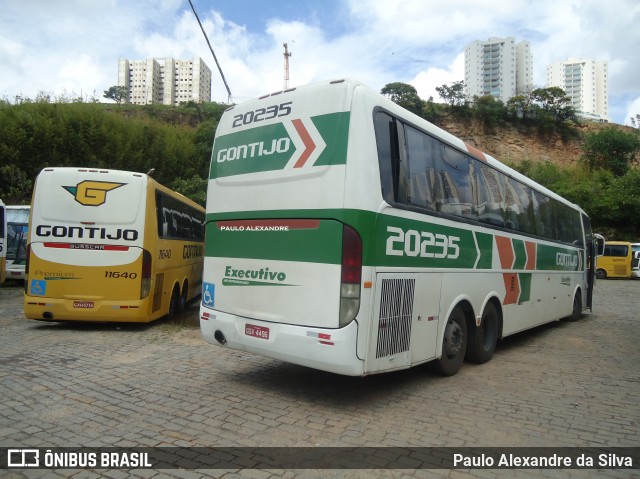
(453, 339)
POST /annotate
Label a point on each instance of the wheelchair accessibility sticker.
(208, 294)
(38, 287)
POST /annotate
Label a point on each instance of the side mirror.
(599, 240)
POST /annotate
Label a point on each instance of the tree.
(453, 94)
(404, 95)
(489, 110)
(117, 93)
(554, 102)
(610, 149)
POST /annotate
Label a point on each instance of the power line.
(212, 52)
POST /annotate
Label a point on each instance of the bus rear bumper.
(49, 309)
(332, 350)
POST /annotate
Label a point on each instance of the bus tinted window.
(454, 177)
(388, 159)
(519, 208)
(423, 154)
(177, 220)
(490, 195)
(616, 250)
(568, 223)
(437, 177)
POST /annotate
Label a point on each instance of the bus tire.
(184, 296)
(454, 344)
(174, 304)
(601, 274)
(577, 307)
(483, 339)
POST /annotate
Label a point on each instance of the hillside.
(176, 142)
(512, 145)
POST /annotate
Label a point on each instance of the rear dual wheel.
(483, 339)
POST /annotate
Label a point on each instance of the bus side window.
(519, 206)
(422, 156)
(388, 154)
(457, 198)
(489, 199)
(568, 225)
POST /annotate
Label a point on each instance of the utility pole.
(286, 66)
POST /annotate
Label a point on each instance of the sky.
(71, 48)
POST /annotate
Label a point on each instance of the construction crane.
(224, 80)
(286, 66)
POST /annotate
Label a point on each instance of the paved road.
(564, 384)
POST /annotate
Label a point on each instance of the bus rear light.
(351, 275)
(351, 256)
(145, 284)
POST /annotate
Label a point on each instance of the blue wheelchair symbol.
(38, 287)
(208, 294)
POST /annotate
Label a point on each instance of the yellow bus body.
(616, 262)
(88, 269)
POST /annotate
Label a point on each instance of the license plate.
(256, 331)
(83, 304)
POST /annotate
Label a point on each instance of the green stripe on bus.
(521, 254)
(412, 243)
(270, 147)
(321, 245)
(263, 148)
(334, 129)
(485, 245)
(525, 287)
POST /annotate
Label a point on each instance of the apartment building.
(586, 82)
(165, 81)
(499, 67)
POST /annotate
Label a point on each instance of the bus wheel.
(174, 305)
(577, 307)
(601, 274)
(454, 344)
(483, 339)
(184, 296)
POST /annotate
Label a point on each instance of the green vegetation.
(174, 141)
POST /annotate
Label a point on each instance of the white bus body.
(3, 241)
(331, 245)
(17, 235)
(635, 265)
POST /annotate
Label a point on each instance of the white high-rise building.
(498, 67)
(165, 81)
(586, 82)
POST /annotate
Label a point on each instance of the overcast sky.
(72, 47)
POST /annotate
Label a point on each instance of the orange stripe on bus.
(505, 251)
(475, 152)
(531, 255)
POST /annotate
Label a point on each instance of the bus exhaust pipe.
(48, 315)
(219, 335)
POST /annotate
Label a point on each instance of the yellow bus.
(616, 262)
(3, 240)
(109, 245)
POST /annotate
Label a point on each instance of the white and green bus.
(346, 234)
(3, 241)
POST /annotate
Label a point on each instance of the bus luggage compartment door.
(405, 323)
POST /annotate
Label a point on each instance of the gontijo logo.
(92, 193)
